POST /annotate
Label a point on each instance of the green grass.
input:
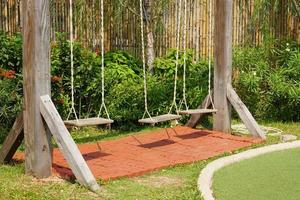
(287, 127)
(271, 176)
(172, 183)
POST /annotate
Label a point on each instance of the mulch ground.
(138, 154)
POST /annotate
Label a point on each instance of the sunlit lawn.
(173, 183)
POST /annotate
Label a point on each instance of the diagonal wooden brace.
(13, 140)
(244, 113)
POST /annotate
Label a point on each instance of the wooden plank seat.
(160, 118)
(89, 122)
(197, 111)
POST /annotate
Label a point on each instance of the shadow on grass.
(93, 134)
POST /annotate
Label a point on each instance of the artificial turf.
(273, 176)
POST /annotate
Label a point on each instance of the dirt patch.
(52, 179)
(159, 181)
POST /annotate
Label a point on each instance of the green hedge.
(267, 79)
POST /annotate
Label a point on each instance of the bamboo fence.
(124, 34)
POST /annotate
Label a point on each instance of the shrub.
(268, 81)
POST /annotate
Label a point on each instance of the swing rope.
(184, 100)
(103, 106)
(209, 99)
(72, 109)
(146, 113)
(210, 56)
(178, 19)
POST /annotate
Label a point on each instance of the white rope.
(178, 19)
(184, 100)
(72, 110)
(144, 62)
(103, 106)
(210, 56)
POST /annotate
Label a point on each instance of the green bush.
(11, 52)
(267, 79)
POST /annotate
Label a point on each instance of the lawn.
(172, 183)
(272, 176)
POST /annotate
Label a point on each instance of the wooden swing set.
(40, 120)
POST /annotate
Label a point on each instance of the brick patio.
(139, 154)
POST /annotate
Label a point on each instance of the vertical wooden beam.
(223, 62)
(36, 70)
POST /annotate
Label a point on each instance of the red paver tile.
(139, 154)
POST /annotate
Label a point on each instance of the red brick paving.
(139, 154)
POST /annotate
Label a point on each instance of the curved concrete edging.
(206, 176)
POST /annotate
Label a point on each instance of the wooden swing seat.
(160, 118)
(89, 122)
(197, 111)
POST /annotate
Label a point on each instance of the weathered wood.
(196, 118)
(223, 62)
(197, 111)
(36, 70)
(89, 122)
(244, 113)
(66, 144)
(159, 119)
(12, 141)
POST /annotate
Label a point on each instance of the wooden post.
(224, 94)
(12, 141)
(223, 62)
(36, 70)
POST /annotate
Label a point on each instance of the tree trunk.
(150, 35)
(150, 49)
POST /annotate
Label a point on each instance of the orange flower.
(55, 79)
(7, 74)
(97, 51)
(61, 101)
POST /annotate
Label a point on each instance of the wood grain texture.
(66, 144)
(196, 111)
(159, 119)
(223, 62)
(89, 122)
(244, 113)
(12, 141)
(36, 71)
(196, 118)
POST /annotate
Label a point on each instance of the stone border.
(206, 176)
